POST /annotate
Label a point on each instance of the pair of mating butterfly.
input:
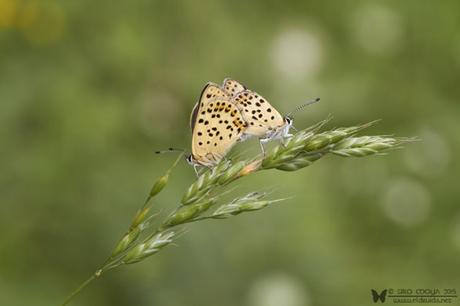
(230, 113)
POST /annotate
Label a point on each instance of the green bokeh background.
(89, 89)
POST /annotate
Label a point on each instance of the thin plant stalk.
(203, 199)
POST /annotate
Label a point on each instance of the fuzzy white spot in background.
(377, 29)
(278, 289)
(406, 202)
(430, 156)
(296, 54)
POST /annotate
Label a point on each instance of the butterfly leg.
(283, 139)
(196, 170)
(261, 142)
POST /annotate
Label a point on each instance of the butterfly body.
(280, 132)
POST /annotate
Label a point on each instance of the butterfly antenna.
(170, 150)
(302, 106)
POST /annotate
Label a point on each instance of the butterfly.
(263, 120)
(227, 114)
(216, 124)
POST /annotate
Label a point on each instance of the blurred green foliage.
(89, 89)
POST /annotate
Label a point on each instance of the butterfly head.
(190, 160)
(288, 120)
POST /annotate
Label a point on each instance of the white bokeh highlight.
(377, 29)
(406, 202)
(429, 157)
(278, 289)
(296, 54)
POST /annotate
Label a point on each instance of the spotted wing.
(219, 125)
(233, 87)
(210, 92)
(261, 117)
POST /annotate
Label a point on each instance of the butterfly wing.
(233, 87)
(218, 126)
(261, 117)
(210, 92)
